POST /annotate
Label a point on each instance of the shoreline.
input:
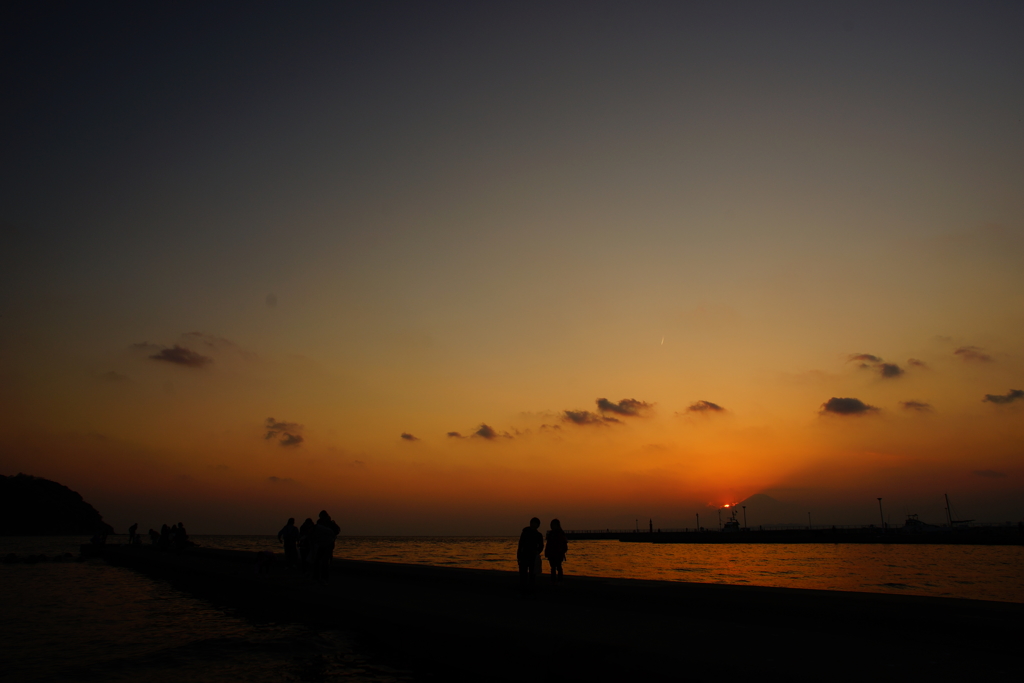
(475, 624)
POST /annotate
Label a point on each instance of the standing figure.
(180, 536)
(306, 544)
(531, 543)
(322, 537)
(556, 548)
(289, 535)
(131, 533)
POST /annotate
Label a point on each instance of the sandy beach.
(468, 624)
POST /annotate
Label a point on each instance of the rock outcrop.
(32, 506)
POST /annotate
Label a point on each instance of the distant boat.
(732, 524)
(915, 526)
(949, 515)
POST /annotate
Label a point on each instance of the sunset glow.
(440, 274)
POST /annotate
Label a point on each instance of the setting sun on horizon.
(441, 272)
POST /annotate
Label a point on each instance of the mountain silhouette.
(32, 506)
(763, 509)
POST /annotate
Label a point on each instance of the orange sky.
(232, 289)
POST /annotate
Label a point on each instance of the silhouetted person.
(165, 535)
(322, 538)
(290, 536)
(306, 544)
(531, 543)
(131, 533)
(556, 548)
(154, 536)
(180, 536)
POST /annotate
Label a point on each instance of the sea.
(90, 621)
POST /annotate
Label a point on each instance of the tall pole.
(719, 519)
(881, 515)
(744, 516)
(698, 521)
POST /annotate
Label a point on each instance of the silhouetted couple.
(531, 545)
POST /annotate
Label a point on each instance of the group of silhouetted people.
(531, 545)
(172, 537)
(310, 547)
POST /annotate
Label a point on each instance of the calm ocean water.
(92, 621)
(979, 572)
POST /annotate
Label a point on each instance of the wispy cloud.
(585, 417)
(704, 407)
(628, 407)
(1013, 395)
(409, 437)
(281, 480)
(889, 370)
(916, 405)
(215, 344)
(286, 433)
(485, 431)
(455, 435)
(914, 362)
(869, 361)
(991, 474)
(180, 355)
(291, 439)
(973, 353)
(273, 426)
(183, 353)
(846, 406)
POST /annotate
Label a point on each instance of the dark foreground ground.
(475, 625)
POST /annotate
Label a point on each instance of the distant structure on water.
(955, 532)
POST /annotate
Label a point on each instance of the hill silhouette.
(32, 506)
